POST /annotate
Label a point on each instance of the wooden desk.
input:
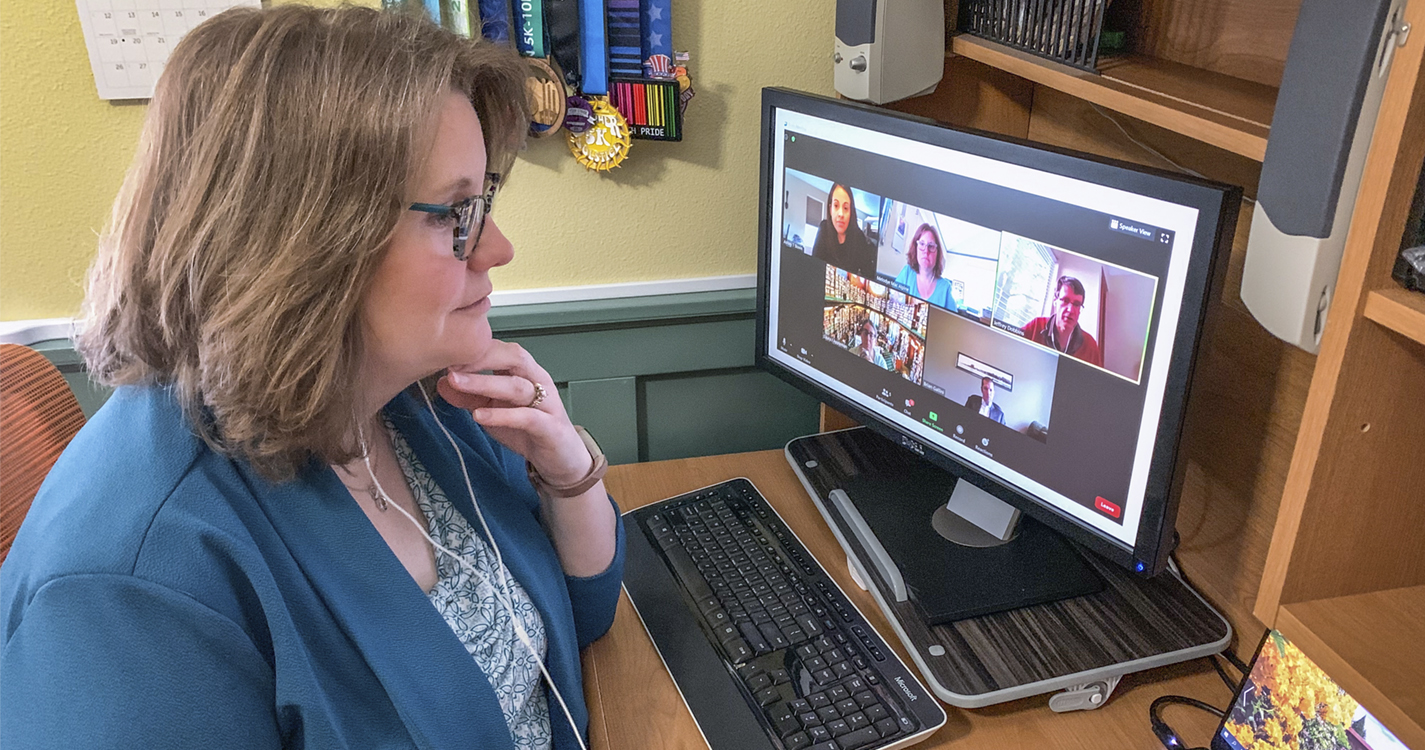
(634, 704)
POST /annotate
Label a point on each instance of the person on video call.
(840, 241)
(924, 261)
(984, 402)
(1061, 331)
(866, 347)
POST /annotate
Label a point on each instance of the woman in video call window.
(925, 259)
(839, 241)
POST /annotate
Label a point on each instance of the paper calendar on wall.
(130, 40)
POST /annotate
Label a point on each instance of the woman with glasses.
(324, 507)
(924, 262)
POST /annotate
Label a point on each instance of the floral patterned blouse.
(470, 605)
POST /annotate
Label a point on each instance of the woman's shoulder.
(134, 468)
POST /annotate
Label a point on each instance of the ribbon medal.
(604, 145)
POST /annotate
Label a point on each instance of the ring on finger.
(538, 395)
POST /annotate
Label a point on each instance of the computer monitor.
(1025, 316)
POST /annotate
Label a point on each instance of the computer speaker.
(1321, 130)
(888, 49)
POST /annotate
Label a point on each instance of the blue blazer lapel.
(435, 685)
(511, 508)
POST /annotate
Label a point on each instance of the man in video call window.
(984, 403)
(1061, 331)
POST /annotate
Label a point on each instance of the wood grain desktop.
(633, 702)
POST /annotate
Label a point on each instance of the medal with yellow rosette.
(604, 145)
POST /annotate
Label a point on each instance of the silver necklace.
(372, 488)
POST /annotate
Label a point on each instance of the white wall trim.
(617, 291)
(34, 331)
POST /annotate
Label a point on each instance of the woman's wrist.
(576, 481)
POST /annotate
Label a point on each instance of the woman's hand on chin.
(499, 391)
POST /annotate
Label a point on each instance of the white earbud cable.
(502, 589)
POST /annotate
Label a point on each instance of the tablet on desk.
(1287, 702)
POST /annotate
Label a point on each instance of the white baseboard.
(34, 331)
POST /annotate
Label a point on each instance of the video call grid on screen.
(1153, 272)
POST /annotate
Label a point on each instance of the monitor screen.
(1026, 313)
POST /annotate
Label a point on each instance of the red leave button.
(1107, 507)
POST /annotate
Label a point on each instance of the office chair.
(38, 417)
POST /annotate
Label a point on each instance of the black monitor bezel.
(1217, 205)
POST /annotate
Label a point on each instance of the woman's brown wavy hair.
(274, 163)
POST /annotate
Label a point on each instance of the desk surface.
(634, 704)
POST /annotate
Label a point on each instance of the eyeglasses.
(469, 215)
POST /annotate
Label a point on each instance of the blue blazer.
(160, 594)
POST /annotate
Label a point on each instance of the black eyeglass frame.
(470, 215)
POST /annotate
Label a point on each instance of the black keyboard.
(765, 648)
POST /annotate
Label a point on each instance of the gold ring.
(538, 395)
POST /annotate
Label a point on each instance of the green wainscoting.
(652, 378)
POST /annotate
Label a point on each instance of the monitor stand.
(958, 551)
(1029, 613)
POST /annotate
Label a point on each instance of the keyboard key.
(823, 676)
(854, 685)
(876, 712)
(767, 696)
(778, 711)
(819, 734)
(837, 728)
(865, 699)
(842, 668)
(857, 720)
(838, 694)
(774, 636)
(847, 707)
(800, 705)
(828, 714)
(738, 651)
(759, 682)
(857, 739)
(809, 719)
(753, 636)
(886, 727)
(819, 700)
(797, 741)
(787, 727)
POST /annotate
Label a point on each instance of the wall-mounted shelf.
(1370, 645)
(1230, 113)
(1398, 309)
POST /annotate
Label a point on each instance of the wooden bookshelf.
(1301, 508)
(1371, 645)
(1399, 310)
(1230, 113)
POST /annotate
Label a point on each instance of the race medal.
(545, 89)
(605, 145)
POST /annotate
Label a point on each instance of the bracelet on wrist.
(598, 467)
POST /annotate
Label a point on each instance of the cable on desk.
(1164, 731)
(1241, 667)
(1231, 683)
(1226, 653)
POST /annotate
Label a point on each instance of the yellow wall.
(675, 210)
